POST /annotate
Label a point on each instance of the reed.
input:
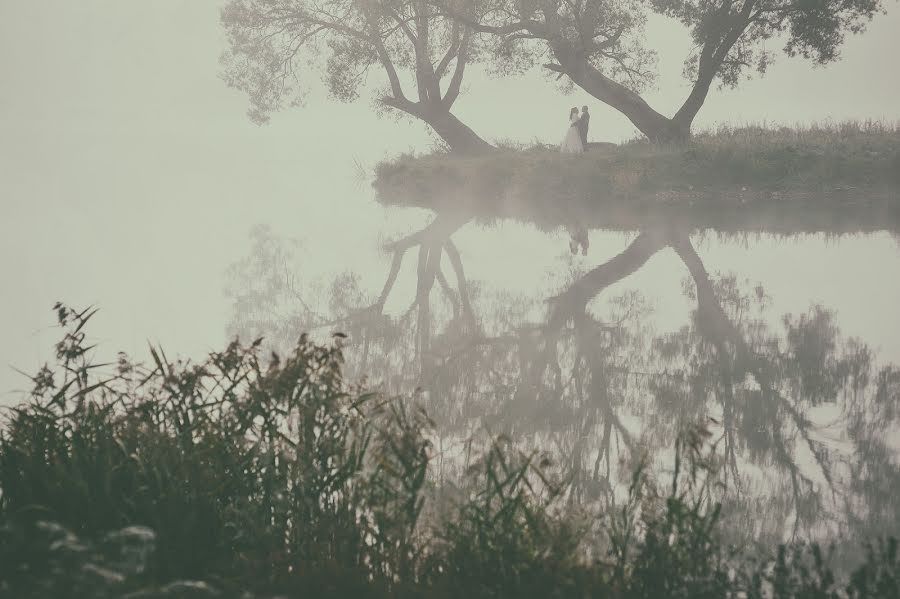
(238, 478)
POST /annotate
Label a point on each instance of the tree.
(407, 39)
(598, 43)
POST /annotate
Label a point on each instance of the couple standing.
(575, 141)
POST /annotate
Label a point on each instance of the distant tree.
(599, 44)
(343, 39)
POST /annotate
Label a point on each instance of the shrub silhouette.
(230, 478)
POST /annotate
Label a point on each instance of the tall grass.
(238, 478)
(244, 472)
(828, 177)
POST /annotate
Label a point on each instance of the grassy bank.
(232, 478)
(839, 178)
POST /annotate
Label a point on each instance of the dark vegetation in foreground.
(235, 478)
(839, 178)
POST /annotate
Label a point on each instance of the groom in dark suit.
(583, 122)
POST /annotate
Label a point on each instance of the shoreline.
(761, 181)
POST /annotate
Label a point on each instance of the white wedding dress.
(571, 143)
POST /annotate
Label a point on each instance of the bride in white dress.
(571, 143)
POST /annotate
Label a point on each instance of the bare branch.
(451, 53)
(461, 282)
(456, 81)
(448, 291)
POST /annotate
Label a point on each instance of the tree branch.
(714, 52)
(450, 54)
(403, 24)
(456, 81)
(461, 282)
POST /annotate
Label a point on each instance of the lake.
(780, 347)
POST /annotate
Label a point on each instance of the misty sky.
(130, 176)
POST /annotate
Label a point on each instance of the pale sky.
(130, 175)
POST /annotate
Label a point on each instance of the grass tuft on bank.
(835, 178)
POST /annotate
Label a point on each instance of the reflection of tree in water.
(800, 415)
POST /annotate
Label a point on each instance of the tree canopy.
(423, 47)
(421, 55)
(599, 44)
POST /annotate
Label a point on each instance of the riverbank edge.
(785, 181)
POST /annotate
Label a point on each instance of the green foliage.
(241, 471)
(231, 479)
(600, 45)
(609, 34)
(813, 29)
(504, 539)
(679, 554)
(276, 46)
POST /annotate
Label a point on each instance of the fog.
(130, 176)
(132, 179)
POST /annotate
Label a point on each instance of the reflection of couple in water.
(575, 141)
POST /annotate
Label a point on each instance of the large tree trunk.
(651, 123)
(688, 111)
(457, 134)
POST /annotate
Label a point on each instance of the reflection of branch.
(430, 240)
(537, 355)
(439, 229)
(599, 395)
(391, 278)
(461, 283)
(712, 320)
(429, 259)
(572, 303)
(448, 292)
(714, 324)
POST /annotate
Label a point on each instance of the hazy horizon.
(130, 176)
